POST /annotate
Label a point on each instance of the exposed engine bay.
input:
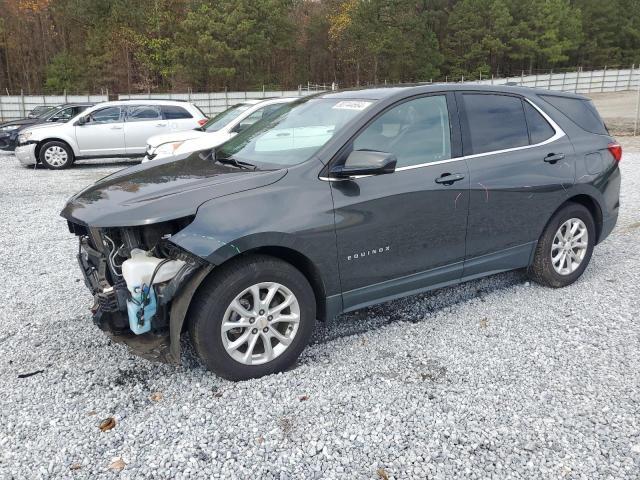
(134, 274)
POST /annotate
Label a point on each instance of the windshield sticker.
(351, 105)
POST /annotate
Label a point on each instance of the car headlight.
(9, 128)
(23, 137)
(167, 148)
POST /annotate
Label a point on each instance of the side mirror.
(366, 162)
(82, 120)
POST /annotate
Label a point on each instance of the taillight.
(616, 150)
(203, 121)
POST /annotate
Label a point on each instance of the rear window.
(172, 112)
(581, 112)
(496, 122)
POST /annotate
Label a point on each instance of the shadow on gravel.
(415, 308)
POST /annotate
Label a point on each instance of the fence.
(215, 102)
(585, 82)
(18, 106)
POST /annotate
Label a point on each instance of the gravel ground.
(618, 109)
(497, 378)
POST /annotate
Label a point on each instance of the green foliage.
(234, 42)
(63, 73)
(161, 45)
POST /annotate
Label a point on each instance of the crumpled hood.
(156, 140)
(159, 191)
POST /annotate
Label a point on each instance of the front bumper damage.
(110, 293)
(26, 154)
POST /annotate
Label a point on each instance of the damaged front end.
(142, 284)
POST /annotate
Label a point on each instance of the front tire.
(252, 317)
(56, 155)
(565, 247)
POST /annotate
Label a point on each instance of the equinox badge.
(367, 253)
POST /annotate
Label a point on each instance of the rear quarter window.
(172, 112)
(581, 112)
(539, 128)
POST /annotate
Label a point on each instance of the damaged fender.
(179, 308)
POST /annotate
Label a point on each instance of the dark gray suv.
(339, 201)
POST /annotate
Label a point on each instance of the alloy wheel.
(569, 246)
(260, 323)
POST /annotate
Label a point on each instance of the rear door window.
(496, 122)
(173, 112)
(539, 128)
(143, 113)
(581, 112)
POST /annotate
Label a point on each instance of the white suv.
(106, 130)
(216, 131)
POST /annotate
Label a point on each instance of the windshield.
(292, 134)
(223, 118)
(49, 112)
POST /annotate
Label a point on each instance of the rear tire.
(565, 247)
(56, 155)
(248, 293)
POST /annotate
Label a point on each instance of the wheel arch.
(305, 265)
(296, 259)
(181, 306)
(590, 204)
(42, 142)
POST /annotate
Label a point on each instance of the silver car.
(107, 130)
(216, 131)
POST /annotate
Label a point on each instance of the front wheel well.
(43, 142)
(305, 265)
(594, 208)
(297, 260)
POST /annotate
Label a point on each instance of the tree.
(392, 37)
(64, 73)
(479, 34)
(545, 35)
(235, 44)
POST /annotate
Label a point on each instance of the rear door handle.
(554, 157)
(116, 128)
(161, 124)
(449, 178)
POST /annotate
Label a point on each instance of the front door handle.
(161, 124)
(449, 178)
(554, 157)
(116, 128)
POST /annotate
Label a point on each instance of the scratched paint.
(455, 203)
(222, 244)
(486, 192)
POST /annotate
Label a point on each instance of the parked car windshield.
(223, 118)
(292, 134)
(50, 113)
(41, 112)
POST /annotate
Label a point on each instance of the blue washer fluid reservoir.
(138, 322)
(138, 272)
